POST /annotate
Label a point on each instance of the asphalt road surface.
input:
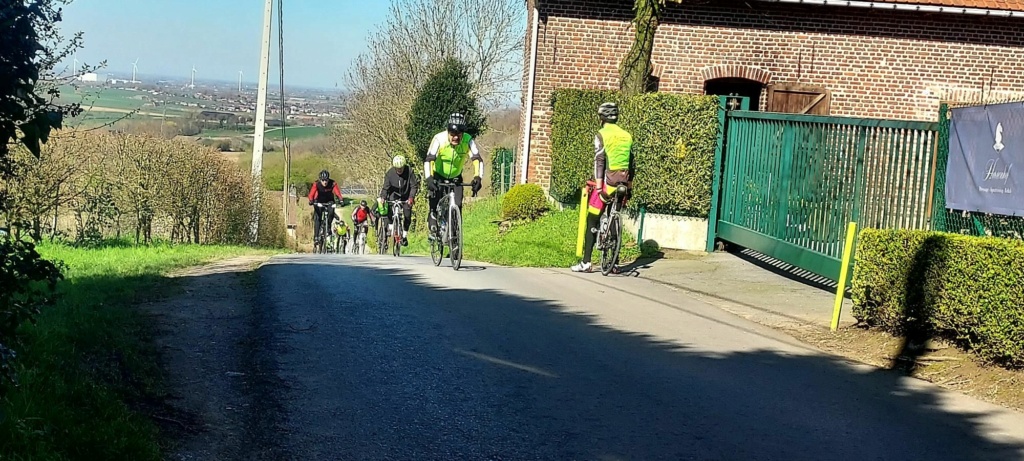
(383, 358)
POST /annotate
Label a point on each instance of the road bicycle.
(449, 226)
(609, 232)
(320, 242)
(359, 238)
(340, 242)
(397, 208)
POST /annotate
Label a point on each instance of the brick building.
(896, 59)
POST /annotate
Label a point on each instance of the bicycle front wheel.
(436, 250)
(455, 239)
(613, 243)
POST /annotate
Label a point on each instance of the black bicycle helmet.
(324, 175)
(456, 123)
(362, 202)
(609, 112)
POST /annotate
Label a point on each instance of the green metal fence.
(791, 183)
(502, 170)
(967, 222)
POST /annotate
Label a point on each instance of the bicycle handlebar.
(452, 184)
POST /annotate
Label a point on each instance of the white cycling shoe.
(582, 267)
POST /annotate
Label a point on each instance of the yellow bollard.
(583, 223)
(851, 232)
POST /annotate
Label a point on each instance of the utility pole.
(261, 119)
(285, 145)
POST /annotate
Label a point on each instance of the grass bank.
(547, 242)
(88, 373)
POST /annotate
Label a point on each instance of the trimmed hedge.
(969, 290)
(523, 202)
(674, 139)
(574, 123)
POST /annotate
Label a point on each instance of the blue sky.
(221, 37)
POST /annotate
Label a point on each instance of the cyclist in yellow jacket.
(613, 165)
(448, 153)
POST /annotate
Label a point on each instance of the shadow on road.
(462, 373)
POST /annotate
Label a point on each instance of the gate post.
(716, 184)
(937, 198)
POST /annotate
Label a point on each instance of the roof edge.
(909, 7)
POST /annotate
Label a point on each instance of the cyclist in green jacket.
(445, 160)
(613, 165)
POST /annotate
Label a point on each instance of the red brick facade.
(883, 64)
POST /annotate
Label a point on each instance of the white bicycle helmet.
(398, 161)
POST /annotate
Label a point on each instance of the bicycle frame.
(447, 203)
(321, 237)
(397, 210)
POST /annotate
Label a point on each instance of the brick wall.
(883, 64)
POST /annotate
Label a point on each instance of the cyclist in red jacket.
(323, 191)
(362, 217)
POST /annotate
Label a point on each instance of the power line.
(285, 189)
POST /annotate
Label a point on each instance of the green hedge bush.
(969, 290)
(523, 202)
(573, 125)
(674, 139)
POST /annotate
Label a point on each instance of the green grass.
(296, 132)
(305, 169)
(547, 242)
(88, 370)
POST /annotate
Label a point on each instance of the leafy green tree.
(31, 45)
(446, 91)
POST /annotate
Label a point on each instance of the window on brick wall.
(735, 87)
(653, 84)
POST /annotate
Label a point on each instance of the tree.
(635, 70)
(42, 185)
(31, 47)
(417, 36)
(446, 91)
(30, 41)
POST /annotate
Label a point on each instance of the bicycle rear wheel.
(613, 243)
(455, 239)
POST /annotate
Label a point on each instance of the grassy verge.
(547, 242)
(88, 373)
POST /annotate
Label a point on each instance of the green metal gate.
(790, 183)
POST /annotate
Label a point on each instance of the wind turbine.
(193, 84)
(135, 69)
(239, 81)
(74, 71)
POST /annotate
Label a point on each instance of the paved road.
(383, 358)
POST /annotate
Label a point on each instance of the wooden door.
(799, 99)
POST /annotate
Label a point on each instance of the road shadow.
(403, 368)
(917, 330)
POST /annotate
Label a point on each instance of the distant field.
(104, 106)
(104, 97)
(272, 134)
(296, 132)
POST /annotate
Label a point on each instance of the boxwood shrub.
(523, 202)
(969, 290)
(674, 140)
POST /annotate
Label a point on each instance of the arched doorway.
(733, 86)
